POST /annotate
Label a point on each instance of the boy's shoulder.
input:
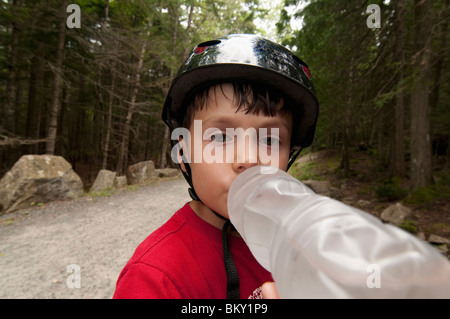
(177, 257)
(182, 240)
(166, 239)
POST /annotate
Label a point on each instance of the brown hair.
(250, 97)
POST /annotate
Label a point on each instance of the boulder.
(307, 158)
(435, 239)
(322, 187)
(140, 172)
(38, 179)
(363, 204)
(395, 214)
(104, 180)
(166, 172)
(120, 181)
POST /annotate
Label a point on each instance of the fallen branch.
(16, 140)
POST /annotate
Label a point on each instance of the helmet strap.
(187, 176)
(293, 156)
(230, 268)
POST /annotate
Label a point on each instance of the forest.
(93, 92)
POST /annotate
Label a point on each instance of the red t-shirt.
(184, 259)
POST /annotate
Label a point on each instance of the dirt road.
(50, 251)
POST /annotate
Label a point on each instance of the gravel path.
(96, 234)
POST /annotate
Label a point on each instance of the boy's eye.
(220, 137)
(269, 140)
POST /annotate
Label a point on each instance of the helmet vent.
(209, 43)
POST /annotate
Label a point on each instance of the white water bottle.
(318, 247)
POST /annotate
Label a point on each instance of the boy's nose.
(240, 167)
(246, 156)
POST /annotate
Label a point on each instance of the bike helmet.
(246, 57)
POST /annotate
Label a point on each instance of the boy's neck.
(208, 216)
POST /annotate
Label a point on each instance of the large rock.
(120, 181)
(38, 179)
(166, 172)
(140, 172)
(435, 239)
(104, 180)
(395, 214)
(322, 187)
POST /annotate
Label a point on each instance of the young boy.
(233, 100)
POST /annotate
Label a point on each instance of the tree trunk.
(105, 147)
(109, 120)
(166, 140)
(347, 122)
(35, 98)
(345, 156)
(32, 110)
(166, 130)
(397, 158)
(421, 174)
(164, 147)
(62, 146)
(439, 59)
(382, 151)
(8, 119)
(55, 106)
(123, 153)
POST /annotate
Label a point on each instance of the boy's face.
(223, 155)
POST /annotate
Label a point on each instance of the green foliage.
(391, 190)
(423, 195)
(307, 171)
(410, 226)
(440, 189)
(104, 193)
(315, 169)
